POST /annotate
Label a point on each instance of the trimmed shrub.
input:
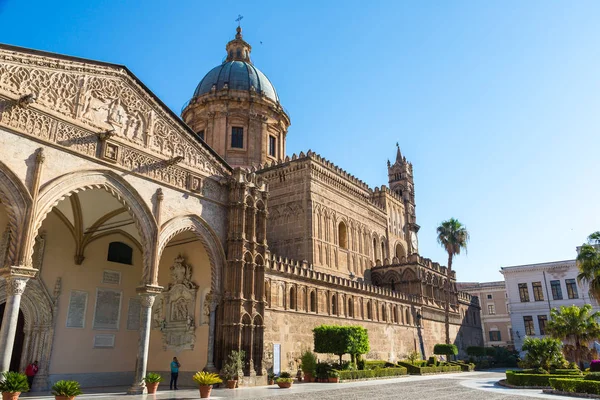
(592, 376)
(340, 340)
(465, 367)
(476, 351)
(309, 362)
(372, 364)
(372, 373)
(575, 385)
(565, 372)
(415, 370)
(445, 349)
(543, 380)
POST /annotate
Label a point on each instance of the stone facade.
(123, 226)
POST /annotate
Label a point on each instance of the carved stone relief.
(179, 307)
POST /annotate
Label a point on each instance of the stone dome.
(238, 75)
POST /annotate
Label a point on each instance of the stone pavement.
(463, 386)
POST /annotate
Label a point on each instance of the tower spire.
(398, 154)
(238, 49)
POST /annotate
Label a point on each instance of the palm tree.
(577, 326)
(588, 260)
(453, 237)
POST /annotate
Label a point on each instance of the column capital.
(18, 271)
(148, 293)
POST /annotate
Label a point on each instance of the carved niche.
(174, 311)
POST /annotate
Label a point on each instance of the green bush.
(372, 373)
(415, 370)
(592, 376)
(13, 382)
(567, 371)
(309, 362)
(378, 364)
(476, 351)
(66, 388)
(465, 367)
(153, 377)
(361, 364)
(340, 340)
(575, 385)
(285, 375)
(322, 370)
(432, 361)
(519, 379)
(445, 349)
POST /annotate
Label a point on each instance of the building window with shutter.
(529, 329)
(523, 292)
(272, 146)
(495, 336)
(542, 319)
(538, 293)
(556, 290)
(237, 137)
(491, 309)
(571, 288)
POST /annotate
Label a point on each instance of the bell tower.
(400, 176)
(236, 111)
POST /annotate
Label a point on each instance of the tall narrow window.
(542, 319)
(272, 146)
(237, 137)
(491, 309)
(529, 329)
(556, 290)
(495, 336)
(120, 253)
(313, 301)
(571, 289)
(333, 305)
(538, 293)
(523, 292)
(201, 134)
(342, 235)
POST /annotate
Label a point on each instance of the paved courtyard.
(463, 386)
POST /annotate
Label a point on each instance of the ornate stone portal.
(174, 310)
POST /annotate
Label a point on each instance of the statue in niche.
(180, 306)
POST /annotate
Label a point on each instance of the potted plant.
(205, 380)
(334, 376)
(271, 378)
(152, 380)
(233, 368)
(309, 365)
(229, 372)
(12, 385)
(66, 390)
(284, 383)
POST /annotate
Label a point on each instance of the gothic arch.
(207, 236)
(52, 192)
(16, 200)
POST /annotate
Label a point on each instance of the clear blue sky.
(495, 103)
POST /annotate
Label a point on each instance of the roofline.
(545, 264)
(135, 78)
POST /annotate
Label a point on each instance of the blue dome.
(239, 75)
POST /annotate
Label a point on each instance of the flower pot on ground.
(271, 378)
(334, 376)
(231, 383)
(205, 380)
(284, 383)
(66, 390)
(12, 384)
(152, 380)
(308, 365)
(308, 377)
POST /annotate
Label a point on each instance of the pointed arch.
(208, 238)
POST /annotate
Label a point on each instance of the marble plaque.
(108, 309)
(104, 341)
(276, 358)
(133, 314)
(77, 307)
(111, 277)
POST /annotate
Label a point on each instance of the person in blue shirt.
(174, 373)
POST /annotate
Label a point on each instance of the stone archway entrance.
(19, 339)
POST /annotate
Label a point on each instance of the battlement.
(305, 270)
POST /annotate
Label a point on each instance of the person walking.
(30, 371)
(174, 373)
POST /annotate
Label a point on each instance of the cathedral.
(130, 235)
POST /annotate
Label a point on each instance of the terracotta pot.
(231, 384)
(152, 387)
(10, 396)
(64, 397)
(284, 385)
(271, 381)
(308, 377)
(334, 380)
(205, 391)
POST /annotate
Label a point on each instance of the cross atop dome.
(238, 49)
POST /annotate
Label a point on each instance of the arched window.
(292, 304)
(369, 315)
(333, 305)
(350, 308)
(342, 235)
(383, 313)
(382, 250)
(120, 253)
(374, 249)
(408, 317)
(400, 251)
(313, 301)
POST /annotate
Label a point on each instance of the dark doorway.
(15, 360)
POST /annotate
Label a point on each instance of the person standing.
(30, 371)
(174, 373)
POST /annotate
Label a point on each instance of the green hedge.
(372, 373)
(575, 385)
(412, 369)
(464, 366)
(565, 372)
(372, 364)
(517, 379)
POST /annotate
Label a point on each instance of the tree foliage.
(577, 326)
(340, 340)
(588, 261)
(453, 237)
(542, 353)
(445, 349)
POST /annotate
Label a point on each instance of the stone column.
(147, 295)
(210, 363)
(15, 286)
